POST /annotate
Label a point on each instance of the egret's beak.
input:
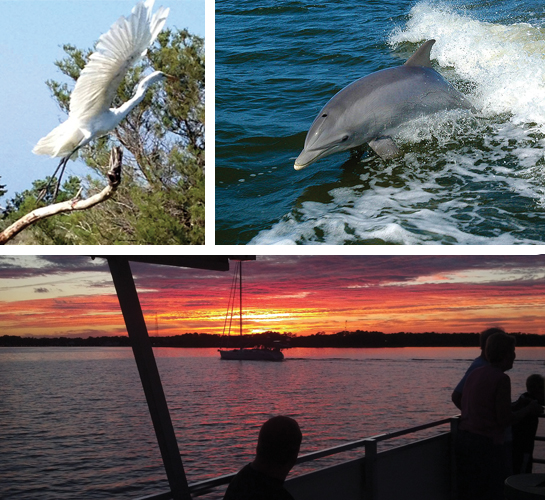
(172, 78)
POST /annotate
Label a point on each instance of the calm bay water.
(74, 422)
(462, 180)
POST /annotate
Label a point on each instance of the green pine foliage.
(161, 196)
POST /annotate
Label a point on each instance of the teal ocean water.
(461, 180)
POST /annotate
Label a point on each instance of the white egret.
(90, 114)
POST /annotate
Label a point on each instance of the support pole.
(454, 421)
(149, 375)
(240, 294)
(371, 469)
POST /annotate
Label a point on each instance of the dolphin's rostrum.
(370, 109)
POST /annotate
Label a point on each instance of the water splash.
(505, 62)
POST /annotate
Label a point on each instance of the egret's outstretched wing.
(116, 51)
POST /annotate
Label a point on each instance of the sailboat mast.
(240, 290)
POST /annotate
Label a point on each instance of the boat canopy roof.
(210, 262)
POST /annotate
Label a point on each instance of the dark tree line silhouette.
(358, 338)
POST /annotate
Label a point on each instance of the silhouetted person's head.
(486, 333)
(535, 385)
(500, 350)
(278, 446)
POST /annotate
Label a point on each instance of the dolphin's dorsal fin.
(422, 56)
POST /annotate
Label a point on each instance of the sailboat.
(255, 352)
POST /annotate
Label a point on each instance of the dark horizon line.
(358, 338)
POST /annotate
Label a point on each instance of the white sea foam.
(423, 199)
(375, 215)
(505, 62)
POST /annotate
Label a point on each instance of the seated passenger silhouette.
(277, 449)
(524, 431)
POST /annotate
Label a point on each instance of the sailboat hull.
(252, 354)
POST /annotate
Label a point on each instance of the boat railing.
(539, 438)
(369, 444)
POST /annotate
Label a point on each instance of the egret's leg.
(44, 191)
(61, 166)
(57, 187)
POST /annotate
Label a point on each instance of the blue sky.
(31, 35)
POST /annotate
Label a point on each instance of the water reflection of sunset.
(299, 294)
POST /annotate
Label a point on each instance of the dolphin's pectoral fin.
(385, 147)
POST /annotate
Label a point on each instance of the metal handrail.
(362, 442)
(201, 487)
(539, 438)
(167, 495)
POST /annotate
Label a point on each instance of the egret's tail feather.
(60, 142)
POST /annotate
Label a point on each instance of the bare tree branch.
(114, 179)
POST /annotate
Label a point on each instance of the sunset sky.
(74, 295)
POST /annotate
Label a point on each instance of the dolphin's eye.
(345, 138)
(324, 115)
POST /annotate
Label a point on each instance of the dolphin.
(370, 109)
